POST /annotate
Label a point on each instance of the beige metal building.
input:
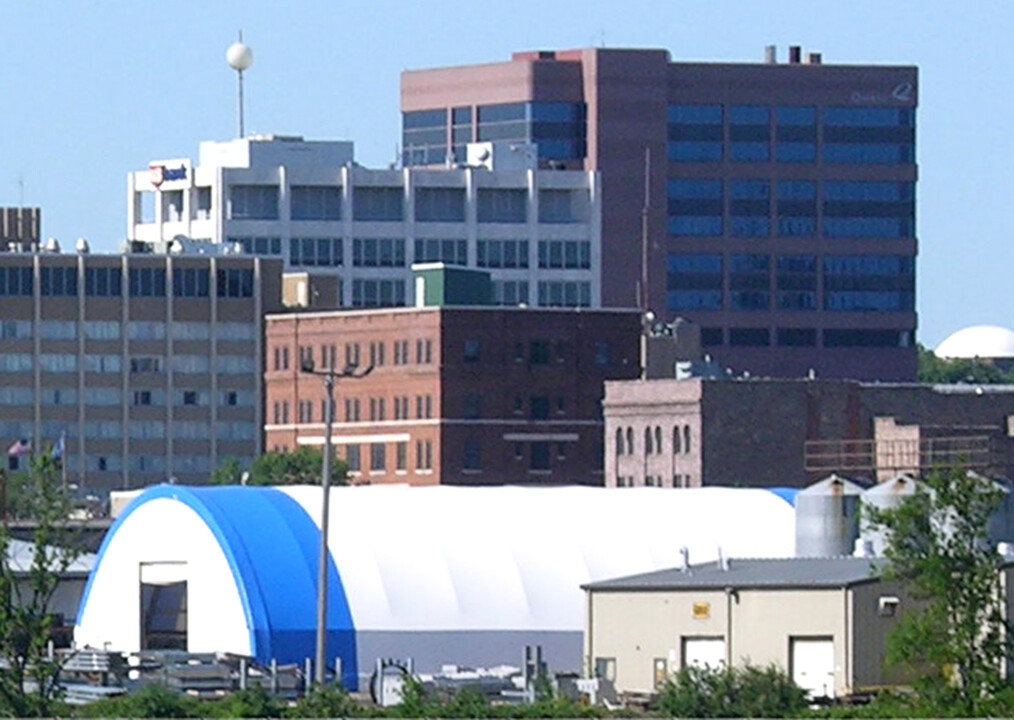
(824, 620)
(149, 366)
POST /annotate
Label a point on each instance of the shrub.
(731, 692)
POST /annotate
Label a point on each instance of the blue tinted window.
(741, 226)
(694, 300)
(797, 190)
(694, 151)
(868, 153)
(707, 264)
(868, 301)
(558, 112)
(749, 152)
(867, 227)
(749, 264)
(707, 226)
(796, 115)
(424, 119)
(501, 113)
(749, 189)
(695, 114)
(877, 191)
(749, 115)
(869, 117)
(461, 115)
(709, 189)
(868, 265)
(795, 152)
(796, 226)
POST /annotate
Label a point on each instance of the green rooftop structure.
(438, 285)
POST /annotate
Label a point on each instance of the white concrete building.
(538, 232)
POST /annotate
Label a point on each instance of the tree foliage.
(28, 686)
(937, 546)
(959, 370)
(738, 692)
(302, 466)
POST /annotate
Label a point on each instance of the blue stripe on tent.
(271, 545)
(787, 494)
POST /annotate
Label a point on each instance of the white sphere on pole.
(239, 56)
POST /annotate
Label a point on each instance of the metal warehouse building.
(439, 574)
(824, 620)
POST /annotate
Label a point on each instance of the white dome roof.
(983, 341)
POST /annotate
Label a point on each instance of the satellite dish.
(239, 56)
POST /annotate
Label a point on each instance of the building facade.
(772, 203)
(767, 433)
(824, 621)
(537, 232)
(148, 367)
(457, 395)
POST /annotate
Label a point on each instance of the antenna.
(644, 229)
(240, 58)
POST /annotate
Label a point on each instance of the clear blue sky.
(92, 90)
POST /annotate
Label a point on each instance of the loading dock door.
(812, 661)
(704, 652)
(163, 598)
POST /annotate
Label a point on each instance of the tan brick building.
(458, 395)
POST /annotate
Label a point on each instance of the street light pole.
(330, 376)
(320, 667)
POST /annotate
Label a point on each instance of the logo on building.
(159, 174)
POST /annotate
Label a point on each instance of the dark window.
(235, 283)
(502, 253)
(502, 205)
(378, 203)
(797, 337)
(712, 336)
(539, 352)
(695, 133)
(865, 338)
(539, 407)
(191, 282)
(749, 337)
(695, 207)
(316, 202)
(378, 252)
(749, 282)
(352, 458)
(253, 202)
(471, 351)
(377, 456)
(147, 282)
(473, 407)
(438, 204)
(454, 252)
(58, 281)
(539, 457)
(603, 350)
(400, 456)
(694, 282)
(103, 282)
(472, 459)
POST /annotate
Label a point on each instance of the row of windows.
(136, 330)
(378, 457)
(654, 440)
(386, 204)
(138, 430)
(806, 337)
(354, 356)
(68, 363)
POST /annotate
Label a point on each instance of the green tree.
(303, 466)
(959, 370)
(937, 546)
(230, 472)
(28, 685)
(749, 691)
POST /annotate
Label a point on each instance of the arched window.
(686, 438)
(647, 441)
(658, 439)
(676, 440)
(619, 441)
(630, 441)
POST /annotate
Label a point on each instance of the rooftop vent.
(795, 54)
(770, 54)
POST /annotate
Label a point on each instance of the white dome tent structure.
(986, 342)
(439, 574)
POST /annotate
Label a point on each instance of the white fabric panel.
(514, 558)
(164, 531)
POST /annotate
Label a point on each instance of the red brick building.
(460, 396)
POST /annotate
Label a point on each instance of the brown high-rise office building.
(778, 197)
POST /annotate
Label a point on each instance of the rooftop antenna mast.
(240, 58)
